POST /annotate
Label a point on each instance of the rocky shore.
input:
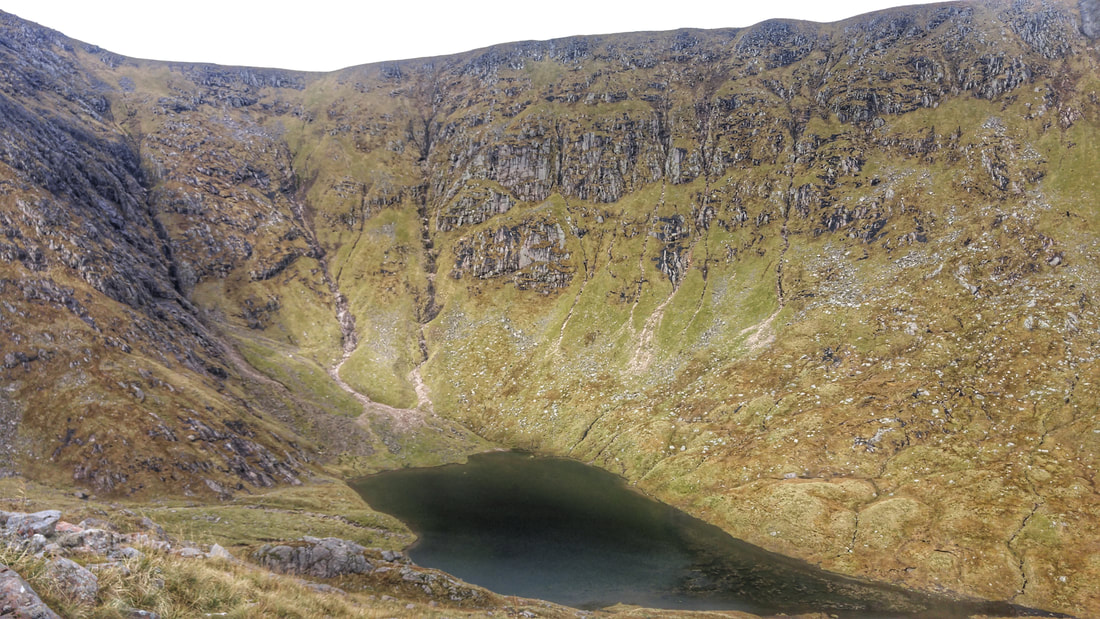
(71, 559)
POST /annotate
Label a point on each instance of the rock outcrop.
(1090, 18)
(321, 558)
(25, 525)
(76, 582)
(532, 254)
(18, 600)
(334, 558)
(52, 540)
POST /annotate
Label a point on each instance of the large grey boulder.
(26, 525)
(1090, 17)
(18, 600)
(79, 584)
(218, 552)
(322, 558)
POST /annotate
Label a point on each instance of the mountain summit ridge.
(828, 286)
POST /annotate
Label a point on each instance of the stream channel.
(562, 531)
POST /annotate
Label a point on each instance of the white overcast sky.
(323, 35)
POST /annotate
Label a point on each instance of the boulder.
(96, 541)
(68, 527)
(26, 525)
(79, 584)
(37, 543)
(121, 567)
(125, 552)
(322, 558)
(18, 600)
(217, 552)
(432, 582)
(143, 539)
(1090, 18)
(97, 523)
(394, 556)
(154, 529)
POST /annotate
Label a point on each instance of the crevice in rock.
(779, 293)
(1018, 555)
(428, 308)
(403, 418)
(359, 234)
(702, 220)
(590, 270)
(643, 350)
(640, 282)
(584, 434)
(855, 534)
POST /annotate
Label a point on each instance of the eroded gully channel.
(403, 419)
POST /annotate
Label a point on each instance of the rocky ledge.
(333, 557)
(71, 556)
(94, 542)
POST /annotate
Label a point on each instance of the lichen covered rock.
(73, 580)
(322, 558)
(18, 600)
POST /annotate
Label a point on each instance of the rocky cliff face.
(830, 287)
(111, 378)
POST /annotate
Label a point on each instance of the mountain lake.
(559, 530)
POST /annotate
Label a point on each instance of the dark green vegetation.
(830, 288)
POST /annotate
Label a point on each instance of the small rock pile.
(46, 536)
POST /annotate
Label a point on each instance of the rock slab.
(1090, 18)
(26, 525)
(79, 584)
(18, 600)
(322, 558)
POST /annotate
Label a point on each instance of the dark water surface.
(562, 531)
